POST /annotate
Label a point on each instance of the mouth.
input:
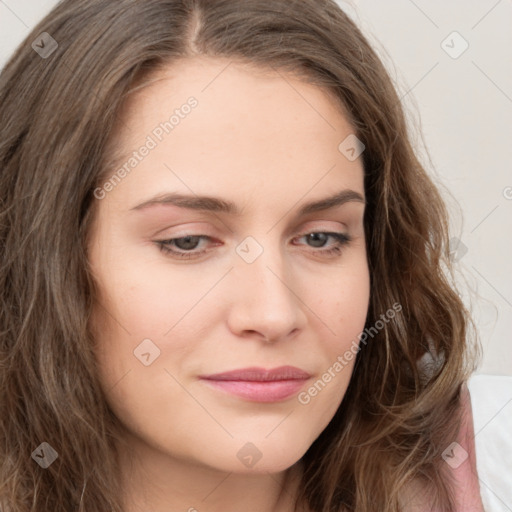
(259, 385)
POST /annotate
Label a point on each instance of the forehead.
(250, 128)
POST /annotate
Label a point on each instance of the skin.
(268, 142)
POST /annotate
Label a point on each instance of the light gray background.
(463, 106)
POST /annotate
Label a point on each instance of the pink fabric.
(461, 457)
(467, 490)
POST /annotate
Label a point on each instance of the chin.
(260, 457)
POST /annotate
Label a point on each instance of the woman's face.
(251, 289)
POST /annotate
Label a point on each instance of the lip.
(258, 384)
(257, 374)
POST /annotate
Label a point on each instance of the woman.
(223, 270)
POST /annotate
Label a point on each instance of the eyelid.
(320, 225)
(205, 228)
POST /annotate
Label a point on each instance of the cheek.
(347, 311)
(149, 298)
(345, 303)
(147, 308)
(346, 307)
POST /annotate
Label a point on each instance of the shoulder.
(467, 487)
(465, 477)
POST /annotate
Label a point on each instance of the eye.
(184, 247)
(319, 237)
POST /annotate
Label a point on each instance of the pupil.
(314, 237)
(189, 242)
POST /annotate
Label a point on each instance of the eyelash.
(342, 240)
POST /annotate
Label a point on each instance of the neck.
(155, 482)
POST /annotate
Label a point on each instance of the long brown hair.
(57, 113)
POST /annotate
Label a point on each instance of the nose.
(264, 303)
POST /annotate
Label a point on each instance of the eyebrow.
(215, 204)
